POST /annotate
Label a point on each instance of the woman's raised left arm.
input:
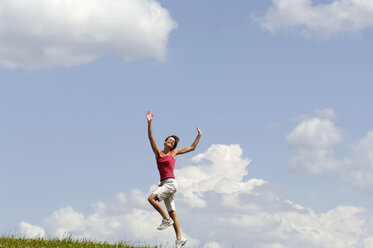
(192, 147)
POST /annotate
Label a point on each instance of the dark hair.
(176, 140)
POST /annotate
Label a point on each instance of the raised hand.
(199, 131)
(149, 115)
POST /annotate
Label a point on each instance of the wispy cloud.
(47, 33)
(360, 166)
(309, 18)
(327, 113)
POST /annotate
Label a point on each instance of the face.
(170, 142)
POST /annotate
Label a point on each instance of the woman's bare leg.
(153, 201)
(176, 224)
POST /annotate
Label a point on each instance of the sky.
(281, 90)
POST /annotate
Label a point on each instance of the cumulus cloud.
(113, 221)
(31, 231)
(339, 227)
(64, 220)
(307, 17)
(47, 33)
(218, 208)
(315, 133)
(221, 169)
(313, 140)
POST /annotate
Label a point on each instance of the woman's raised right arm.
(149, 117)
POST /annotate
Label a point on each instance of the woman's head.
(171, 141)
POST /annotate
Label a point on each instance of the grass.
(14, 242)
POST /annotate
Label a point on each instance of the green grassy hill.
(11, 242)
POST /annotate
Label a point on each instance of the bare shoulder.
(174, 153)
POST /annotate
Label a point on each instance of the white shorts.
(166, 192)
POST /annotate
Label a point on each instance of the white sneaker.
(180, 242)
(165, 223)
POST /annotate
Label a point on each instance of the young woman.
(168, 186)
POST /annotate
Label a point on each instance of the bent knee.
(152, 197)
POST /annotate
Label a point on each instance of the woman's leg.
(176, 224)
(153, 201)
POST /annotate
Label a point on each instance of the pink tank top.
(166, 167)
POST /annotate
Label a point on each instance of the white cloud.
(273, 245)
(340, 227)
(121, 198)
(235, 212)
(360, 166)
(315, 133)
(368, 242)
(109, 221)
(47, 33)
(301, 118)
(313, 140)
(30, 231)
(62, 221)
(221, 168)
(338, 16)
(212, 245)
(326, 113)
(138, 198)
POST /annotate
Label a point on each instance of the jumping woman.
(168, 185)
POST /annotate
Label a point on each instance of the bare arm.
(192, 147)
(149, 117)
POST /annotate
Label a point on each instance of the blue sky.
(285, 85)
